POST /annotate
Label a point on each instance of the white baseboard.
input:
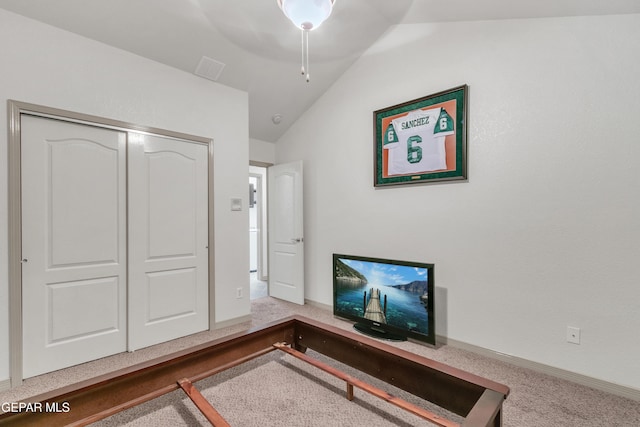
(233, 322)
(319, 305)
(608, 387)
(5, 385)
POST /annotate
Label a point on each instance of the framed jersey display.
(424, 140)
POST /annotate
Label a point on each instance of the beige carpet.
(277, 390)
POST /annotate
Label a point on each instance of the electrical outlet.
(573, 335)
(239, 293)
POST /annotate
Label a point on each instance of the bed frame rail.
(101, 397)
(453, 389)
(477, 399)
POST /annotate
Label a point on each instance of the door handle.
(297, 240)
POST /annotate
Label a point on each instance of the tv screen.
(385, 298)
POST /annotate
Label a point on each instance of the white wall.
(47, 66)
(262, 151)
(546, 231)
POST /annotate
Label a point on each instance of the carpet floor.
(278, 390)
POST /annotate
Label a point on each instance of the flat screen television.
(385, 298)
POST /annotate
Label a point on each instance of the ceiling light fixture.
(306, 15)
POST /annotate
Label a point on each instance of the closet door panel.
(73, 243)
(168, 238)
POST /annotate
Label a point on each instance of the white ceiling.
(261, 48)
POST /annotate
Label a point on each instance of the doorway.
(279, 238)
(258, 274)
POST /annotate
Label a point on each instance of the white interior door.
(73, 243)
(286, 241)
(168, 239)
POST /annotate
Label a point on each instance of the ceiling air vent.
(209, 68)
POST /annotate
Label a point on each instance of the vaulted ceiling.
(260, 48)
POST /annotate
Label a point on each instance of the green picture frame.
(423, 140)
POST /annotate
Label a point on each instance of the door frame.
(15, 109)
(263, 244)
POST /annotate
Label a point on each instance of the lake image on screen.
(404, 287)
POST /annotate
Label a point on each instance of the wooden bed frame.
(477, 399)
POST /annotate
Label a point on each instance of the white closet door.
(73, 243)
(168, 238)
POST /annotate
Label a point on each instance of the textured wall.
(545, 233)
(47, 66)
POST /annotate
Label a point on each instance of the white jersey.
(418, 143)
